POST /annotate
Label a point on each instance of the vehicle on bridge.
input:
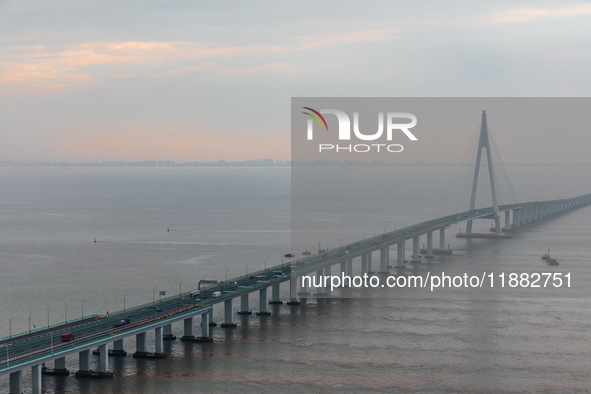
(122, 322)
(67, 337)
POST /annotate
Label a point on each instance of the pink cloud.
(528, 14)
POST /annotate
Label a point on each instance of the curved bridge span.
(105, 334)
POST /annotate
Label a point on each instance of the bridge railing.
(60, 346)
(185, 294)
(44, 328)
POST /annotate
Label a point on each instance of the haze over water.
(161, 228)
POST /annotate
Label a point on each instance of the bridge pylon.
(484, 145)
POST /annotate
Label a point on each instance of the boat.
(289, 255)
(306, 253)
(550, 260)
(504, 230)
(434, 251)
(476, 235)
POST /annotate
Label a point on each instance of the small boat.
(550, 260)
(289, 255)
(306, 253)
(437, 251)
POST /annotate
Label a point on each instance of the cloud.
(213, 69)
(52, 68)
(44, 68)
(525, 15)
(364, 36)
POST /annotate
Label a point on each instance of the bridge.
(105, 334)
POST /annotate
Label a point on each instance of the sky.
(207, 80)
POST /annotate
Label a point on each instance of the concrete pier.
(400, 255)
(244, 305)
(429, 245)
(140, 345)
(275, 295)
(228, 315)
(293, 290)
(168, 333)
(205, 329)
(83, 363)
(415, 250)
(36, 378)
(188, 329)
(59, 368)
(320, 291)
(263, 303)
(16, 382)
(384, 260)
(118, 350)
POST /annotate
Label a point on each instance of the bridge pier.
(167, 334)
(349, 267)
(415, 250)
(83, 362)
(369, 267)
(442, 238)
(228, 314)
(429, 245)
(528, 216)
(400, 255)
(384, 260)
(303, 290)
(244, 305)
(59, 368)
(140, 345)
(275, 295)
(159, 343)
(320, 289)
(104, 359)
(343, 268)
(293, 290)
(205, 334)
(117, 350)
(84, 370)
(36, 379)
(364, 269)
(188, 329)
(516, 218)
(211, 322)
(263, 303)
(16, 382)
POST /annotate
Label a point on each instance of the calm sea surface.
(164, 229)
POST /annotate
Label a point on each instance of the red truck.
(67, 337)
